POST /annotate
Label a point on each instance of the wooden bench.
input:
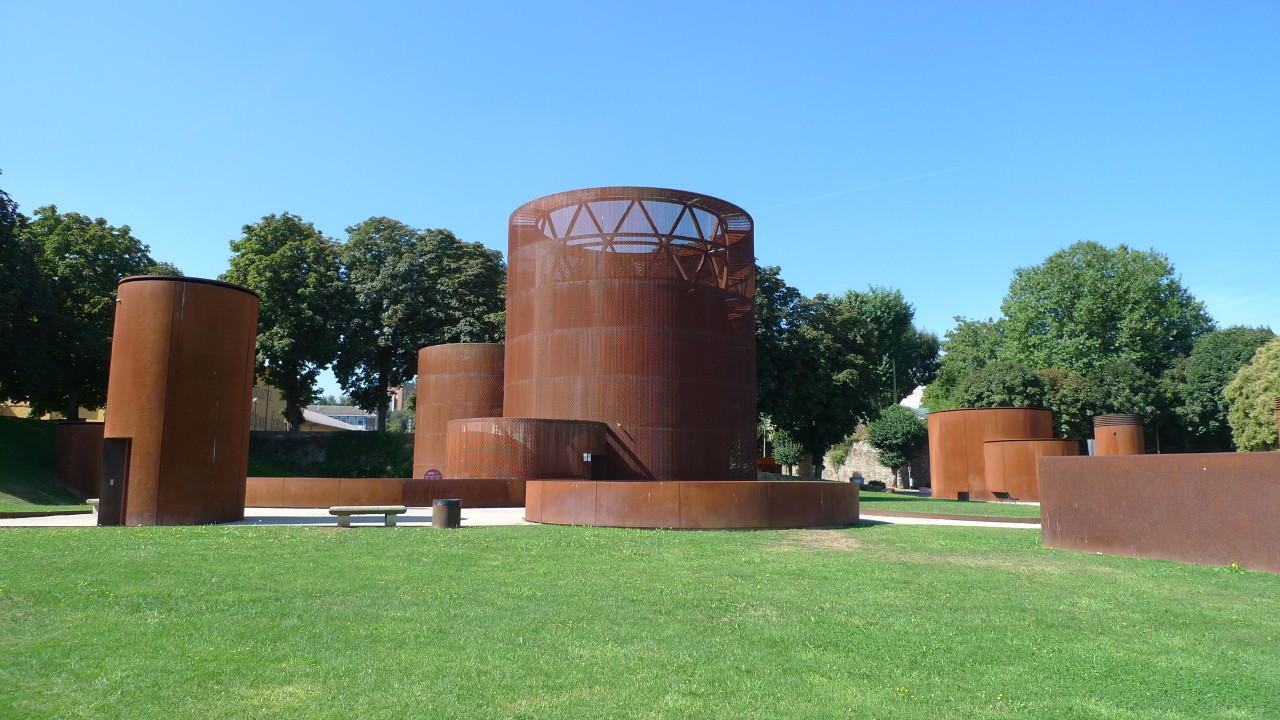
(344, 512)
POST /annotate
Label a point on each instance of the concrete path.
(898, 520)
(420, 516)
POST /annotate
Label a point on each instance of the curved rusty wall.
(743, 504)
(1011, 465)
(523, 448)
(956, 437)
(180, 388)
(633, 307)
(460, 380)
(1118, 435)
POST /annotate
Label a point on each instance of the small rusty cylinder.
(446, 513)
(1118, 435)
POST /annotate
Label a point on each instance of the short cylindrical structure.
(459, 380)
(524, 448)
(1118, 435)
(446, 513)
(956, 460)
(1011, 465)
(634, 307)
(178, 400)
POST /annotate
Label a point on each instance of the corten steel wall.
(1206, 508)
(77, 463)
(180, 386)
(461, 380)
(1010, 465)
(633, 307)
(322, 492)
(523, 448)
(956, 437)
(1118, 435)
(692, 505)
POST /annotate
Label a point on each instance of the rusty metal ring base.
(692, 505)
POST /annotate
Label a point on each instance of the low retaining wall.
(77, 463)
(1204, 508)
(704, 505)
(317, 492)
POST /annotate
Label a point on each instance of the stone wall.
(861, 462)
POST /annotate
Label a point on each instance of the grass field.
(559, 622)
(872, 501)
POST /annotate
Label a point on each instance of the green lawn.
(551, 622)
(26, 468)
(872, 501)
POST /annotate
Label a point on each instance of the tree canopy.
(406, 289)
(1251, 400)
(894, 434)
(826, 363)
(294, 269)
(1196, 385)
(72, 265)
(1088, 303)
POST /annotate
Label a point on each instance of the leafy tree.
(24, 304)
(825, 364)
(1088, 303)
(400, 421)
(1251, 400)
(1001, 384)
(294, 269)
(894, 434)
(68, 347)
(1124, 387)
(786, 451)
(408, 289)
(1195, 385)
(968, 347)
(1074, 400)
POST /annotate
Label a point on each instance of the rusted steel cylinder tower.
(176, 438)
(1118, 435)
(460, 380)
(956, 438)
(1011, 466)
(524, 448)
(633, 307)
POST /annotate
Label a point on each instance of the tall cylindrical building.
(459, 380)
(632, 307)
(176, 438)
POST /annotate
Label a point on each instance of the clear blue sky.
(930, 147)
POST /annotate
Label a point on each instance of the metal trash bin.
(446, 513)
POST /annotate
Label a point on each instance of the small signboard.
(432, 474)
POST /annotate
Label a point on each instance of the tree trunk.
(73, 406)
(293, 416)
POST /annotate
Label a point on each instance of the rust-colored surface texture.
(319, 492)
(633, 307)
(77, 463)
(523, 448)
(461, 380)
(1205, 508)
(692, 505)
(180, 386)
(1118, 435)
(1010, 465)
(956, 457)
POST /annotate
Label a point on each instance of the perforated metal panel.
(633, 307)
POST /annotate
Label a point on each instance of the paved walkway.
(420, 516)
